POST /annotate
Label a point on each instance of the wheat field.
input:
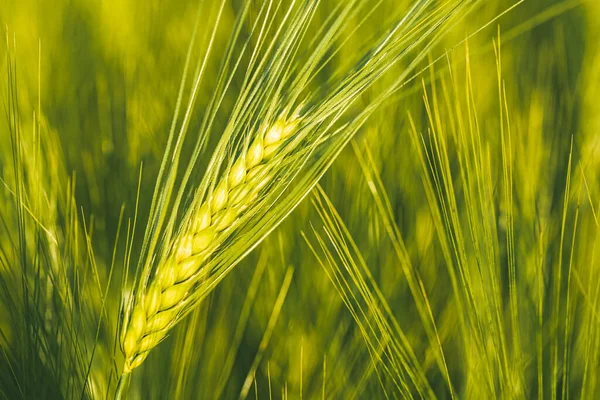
(300, 199)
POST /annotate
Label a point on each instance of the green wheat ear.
(155, 311)
(253, 181)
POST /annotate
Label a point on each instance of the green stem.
(122, 386)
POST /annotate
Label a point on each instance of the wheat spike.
(155, 311)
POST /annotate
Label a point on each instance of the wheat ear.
(155, 311)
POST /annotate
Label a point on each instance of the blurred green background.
(514, 172)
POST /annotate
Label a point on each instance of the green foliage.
(429, 230)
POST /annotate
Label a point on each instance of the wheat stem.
(122, 386)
